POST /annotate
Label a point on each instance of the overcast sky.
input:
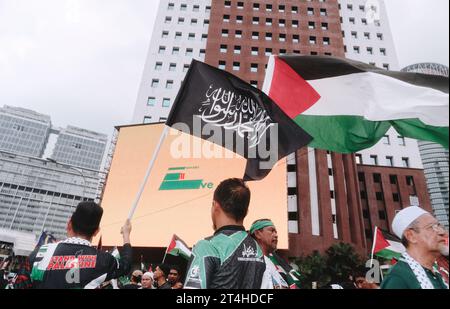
(81, 61)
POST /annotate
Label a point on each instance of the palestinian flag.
(178, 247)
(290, 275)
(386, 245)
(347, 106)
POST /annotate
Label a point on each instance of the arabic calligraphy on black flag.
(219, 107)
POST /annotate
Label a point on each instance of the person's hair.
(233, 195)
(177, 268)
(412, 226)
(165, 269)
(86, 218)
(136, 279)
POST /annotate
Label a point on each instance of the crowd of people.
(233, 258)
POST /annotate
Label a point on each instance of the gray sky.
(81, 61)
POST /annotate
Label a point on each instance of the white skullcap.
(148, 274)
(404, 218)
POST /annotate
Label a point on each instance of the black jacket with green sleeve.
(231, 259)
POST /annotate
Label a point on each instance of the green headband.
(260, 225)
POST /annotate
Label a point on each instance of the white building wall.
(363, 31)
(174, 17)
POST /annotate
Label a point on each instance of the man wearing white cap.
(423, 236)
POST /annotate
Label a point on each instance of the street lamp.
(75, 169)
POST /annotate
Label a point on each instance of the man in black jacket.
(74, 263)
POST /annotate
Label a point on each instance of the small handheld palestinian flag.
(348, 106)
(178, 247)
(386, 245)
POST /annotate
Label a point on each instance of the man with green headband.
(278, 274)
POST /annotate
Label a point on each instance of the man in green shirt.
(230, 259)
(423, 236)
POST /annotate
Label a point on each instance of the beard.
(443, 249)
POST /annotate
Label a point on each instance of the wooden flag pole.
(149, 170)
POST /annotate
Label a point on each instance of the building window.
(222, 65)
(410, 180)
(172, 67)
(367, 35)
(254, 83)
(176, 51)
(323, 12)
(223, 48)
(166, 102)
(359, 159)
(405, 162)
(189, 52)
(180, 21)
(356, 49)
(351, 20)
(386, 66)
(151, 101)
(326, 41)
(158, 66)
(238, 34)
(255, 51)
(178, 36)
(155, 83)
(310, 11)
(237, 50)
(311, 25)
(255, 35)
(295, 24)
(383, 51)
(169, 84)
(168, 20)
(161, 50)
(224, 33)
(324, 26)
(268, 36)
(236, 66)
(185, 68)
(396, 197)
(377, 178)
(379, 196)
(254, 68)
(393, 179)
(380, 36)
(382, 215)
(401, 140)
(255, 20)
(268, 52)
(294, 10)
(386, 140)
(239, 19)
(390, 161)
(147, 119)
(354, 34)
(165, 34)
(191, 36)
(312, 40)
(171, 6)
(374, 160)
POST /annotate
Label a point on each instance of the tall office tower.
(368, 38)
(23, 131)
(179, 35)
(80, 147)
(435, 158)
(37, 195)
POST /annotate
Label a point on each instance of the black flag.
(219, 107)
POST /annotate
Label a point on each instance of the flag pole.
(373, 245)
(149, 170)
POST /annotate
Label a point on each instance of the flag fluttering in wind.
(221, 108)
(386, 245)
(45, 238)
(178, 247)
(348, 106)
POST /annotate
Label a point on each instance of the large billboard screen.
(178, 195)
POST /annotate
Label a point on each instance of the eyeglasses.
(437, 227)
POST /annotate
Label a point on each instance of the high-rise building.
(80, 147)
(179, 35)
(435, 158)
(23, 131)
(38, 193)
(324, 194)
